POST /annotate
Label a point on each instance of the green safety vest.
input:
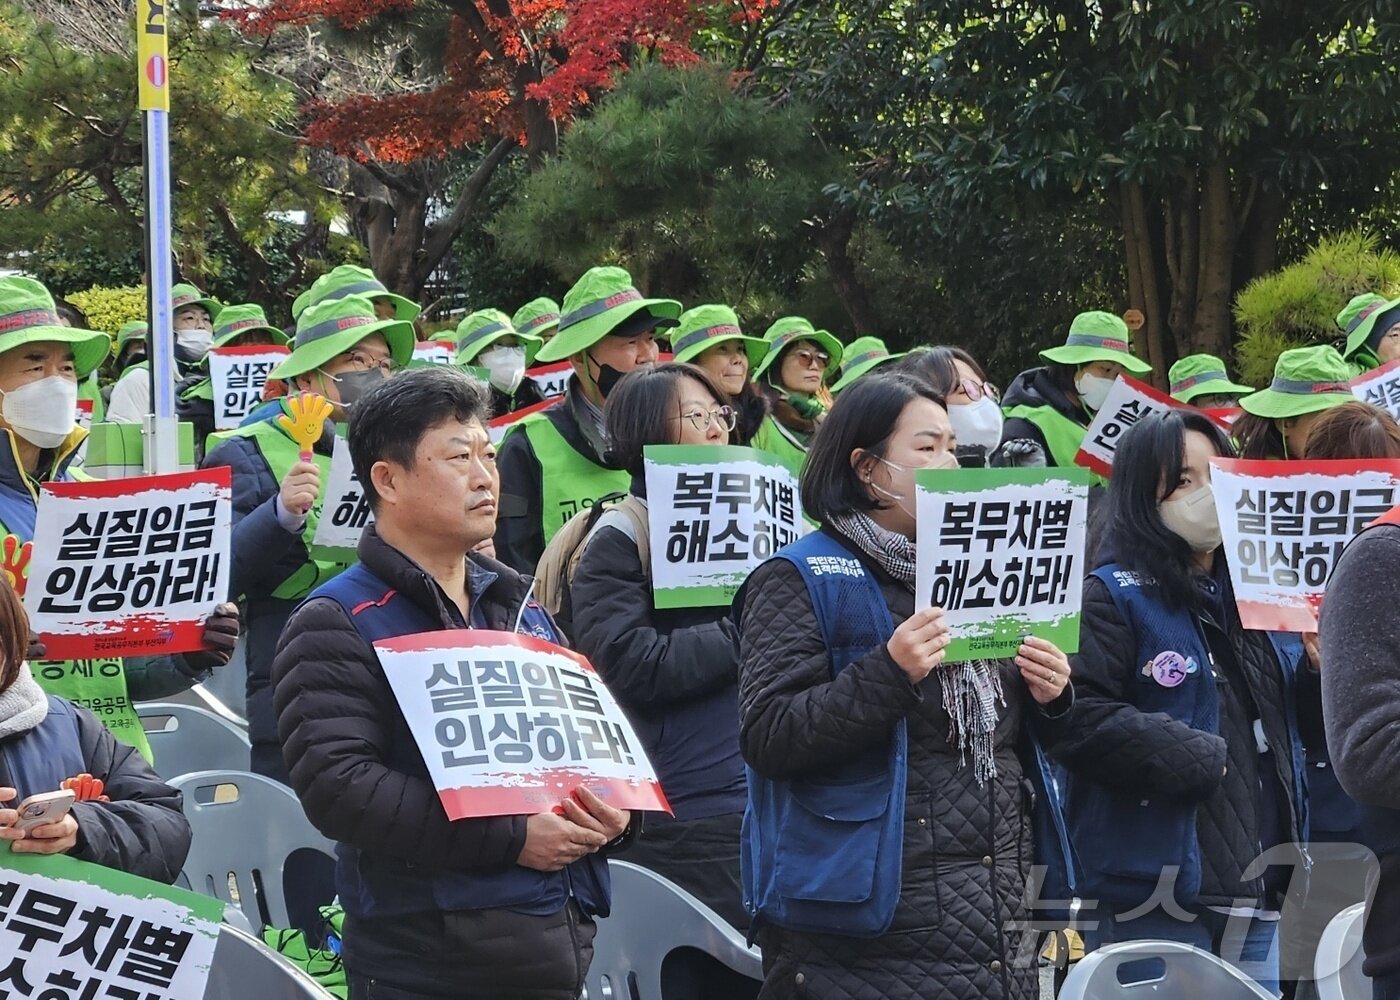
(280, 453)
(1063, 436)
(777, 440)
(89, 389)
(569, 481)
(203, 389)
(98, 685)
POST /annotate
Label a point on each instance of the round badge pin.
(1169, 669)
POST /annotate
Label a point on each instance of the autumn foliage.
(506, 62)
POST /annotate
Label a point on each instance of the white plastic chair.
(245, 837)
(186, 739)
(1339, 958)
(244, 967)
(1180, 972)
(651, 917)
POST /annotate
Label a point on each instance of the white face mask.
(1093, 390)
(42, 412)
(947, 460)
(506, 365)
(1193, 519)
(977, 424)
(195, 342)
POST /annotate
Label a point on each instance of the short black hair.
(388, 422)
(864, 417)
(638, 411)
(1146, 467)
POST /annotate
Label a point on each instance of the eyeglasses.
(702, 419)
(363, 363)
(976, 390)
(807, 358)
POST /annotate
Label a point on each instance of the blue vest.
(42, 758)
(823, 854)
(375, 885)
(1123, 840)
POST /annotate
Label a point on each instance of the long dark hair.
(1259, 438)
(937, 366)
(1146, 467)
(863, 419)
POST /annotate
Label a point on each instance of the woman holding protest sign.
(124, 816)
(710, 338)
(889, 838)
(793, 375)
(673, 671)
(1182, 748)
(1343, 862)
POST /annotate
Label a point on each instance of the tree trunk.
(1144, 282)
(1211, 327)
(834, 239)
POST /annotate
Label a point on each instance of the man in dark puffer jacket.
(491, 908)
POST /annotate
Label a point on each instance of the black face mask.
(353, 385)
(607, 379)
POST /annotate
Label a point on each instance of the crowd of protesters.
(869, 814)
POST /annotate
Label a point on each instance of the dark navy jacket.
(357, 769)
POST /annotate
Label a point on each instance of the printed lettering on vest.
(834, 566)
(1129, 578)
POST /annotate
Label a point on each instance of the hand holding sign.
(918, 645)
(307, 420)
(1044, 668)
(14, 560)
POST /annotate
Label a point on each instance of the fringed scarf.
(972, 689)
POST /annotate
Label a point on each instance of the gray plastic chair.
(1187, 974)
(246, 840)
(651, 917)
(1339, 958)
(186, 739)
(244, 967)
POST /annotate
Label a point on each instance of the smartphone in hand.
(44, 808)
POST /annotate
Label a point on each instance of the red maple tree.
(514, 69)
(515, 72)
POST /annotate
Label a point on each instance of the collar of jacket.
(53, 462)
(495, 590)
(578, 408)
(1035, 388)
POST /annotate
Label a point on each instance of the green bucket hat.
(483, 328)
(135, 329)
(1306, 379)
(1202, 375)
(601, 300)
(705, 326)
(27, 315)
(187, 295)
(333, 327)
(781, 335)
(1097, 336)
(537, 318)
(862, 355)
(1358, 319)
(245, 318)
(347, 279)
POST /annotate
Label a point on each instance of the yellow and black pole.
(160, 433)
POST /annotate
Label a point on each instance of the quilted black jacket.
(1109, 741)
(967, 849)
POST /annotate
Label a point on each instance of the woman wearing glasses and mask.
(889, 838)
(674, 671)
(794, 373)
(974, 407)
